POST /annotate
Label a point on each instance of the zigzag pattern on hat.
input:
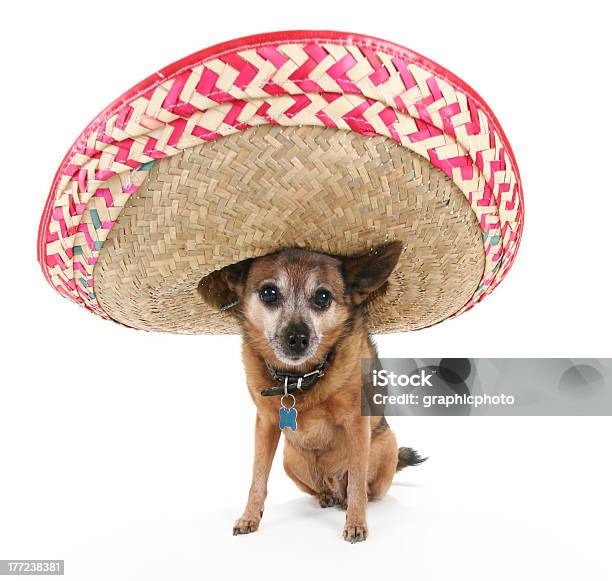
(345, 85)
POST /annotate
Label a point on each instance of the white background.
(128, 454)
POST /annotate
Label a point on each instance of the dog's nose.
(296, 339)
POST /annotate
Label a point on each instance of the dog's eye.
(268, 294)
(322, 298)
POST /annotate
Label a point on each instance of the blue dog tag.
(287, 418)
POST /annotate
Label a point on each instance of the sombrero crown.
(330, 141)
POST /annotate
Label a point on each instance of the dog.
(305, 334)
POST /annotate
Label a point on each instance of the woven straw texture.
(332, 80)
(270, 188)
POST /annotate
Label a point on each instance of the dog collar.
(292, 383)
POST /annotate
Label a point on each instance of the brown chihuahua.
(304, 337)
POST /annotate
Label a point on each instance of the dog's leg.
(299, 468)
(358, 447)
(382, 464)
(267, 435)
(335, 492)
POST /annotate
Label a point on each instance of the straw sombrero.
(331, 141)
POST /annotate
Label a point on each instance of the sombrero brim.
(325, 140)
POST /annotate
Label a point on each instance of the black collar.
(296, 383)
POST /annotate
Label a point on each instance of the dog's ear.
(224, 288)
(364, 274)
(235, 276)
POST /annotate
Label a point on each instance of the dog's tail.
(408, 457)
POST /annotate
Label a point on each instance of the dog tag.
(287, 418)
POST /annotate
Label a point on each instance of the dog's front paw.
(246, 524)
(355, 531)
